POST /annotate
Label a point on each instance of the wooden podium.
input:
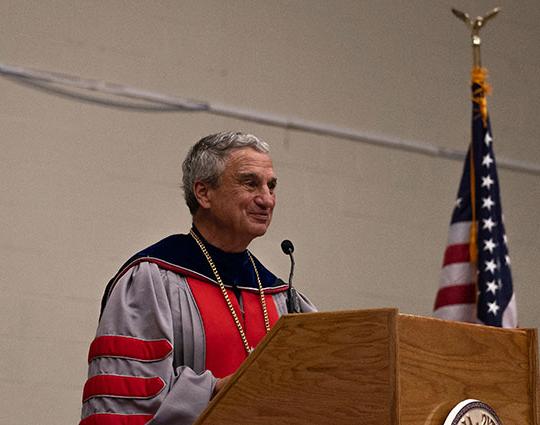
(379, 367)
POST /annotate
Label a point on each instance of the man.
(181, 316)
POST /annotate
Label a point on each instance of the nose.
(265, 199)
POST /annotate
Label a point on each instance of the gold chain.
(226, 295)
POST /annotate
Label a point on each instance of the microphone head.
(287, 247)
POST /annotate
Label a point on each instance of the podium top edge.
(394, 312)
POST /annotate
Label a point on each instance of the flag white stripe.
(463, 312)
(457, 274)
(459, 233)
(509, 319)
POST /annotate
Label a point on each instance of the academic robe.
(166, 334)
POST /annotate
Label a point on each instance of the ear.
(201, 191)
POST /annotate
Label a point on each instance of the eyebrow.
(248, 176)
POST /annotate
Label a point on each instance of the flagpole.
(476, 282)
(475, 25)
(479, 96)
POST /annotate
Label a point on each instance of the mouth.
(261, 217)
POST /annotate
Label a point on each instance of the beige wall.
(83, 186)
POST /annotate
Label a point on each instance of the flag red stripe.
(456, 294)
(115, 419)
(129, 348)
(458, 253)
(122, 386)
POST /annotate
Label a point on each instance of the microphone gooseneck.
(292, 298)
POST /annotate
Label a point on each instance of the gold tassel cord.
(479, 77)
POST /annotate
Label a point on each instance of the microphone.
(292, 297)
(287, 247)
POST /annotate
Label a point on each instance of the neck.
(215, 236)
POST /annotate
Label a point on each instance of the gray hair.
(206, 159)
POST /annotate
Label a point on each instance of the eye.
(272, 185)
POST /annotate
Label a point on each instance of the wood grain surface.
(442, 363)
(323, 368)
(379, 367)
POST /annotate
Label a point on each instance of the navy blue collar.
(235, 269)
(182, 254)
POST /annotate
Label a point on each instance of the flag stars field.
(487, 160)
(492, 287)
(489, 245)
(493, 308)
(490, 266)
(487, 203)
(488, 224)
(487, 181)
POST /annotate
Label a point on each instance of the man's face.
(241, 205)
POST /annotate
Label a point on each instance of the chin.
(258, 230)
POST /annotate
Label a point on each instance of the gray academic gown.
(149, 305)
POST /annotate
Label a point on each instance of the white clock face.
(472, 412)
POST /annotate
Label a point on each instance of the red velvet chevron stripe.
(115, 419)
(122, 386)
(127, 347)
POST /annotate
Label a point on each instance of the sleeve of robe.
(306, 306)
(147, 361)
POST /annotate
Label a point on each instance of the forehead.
(248, 160)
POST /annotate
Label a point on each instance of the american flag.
(476, 281)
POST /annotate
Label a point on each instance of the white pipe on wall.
(161, 102)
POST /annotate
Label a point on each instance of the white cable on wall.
(160, 103)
